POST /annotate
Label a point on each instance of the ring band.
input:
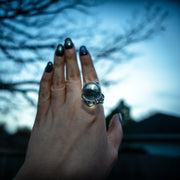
(91, 94)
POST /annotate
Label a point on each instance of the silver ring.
(91, 94)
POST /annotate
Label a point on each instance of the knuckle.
(86, 62)
(58, 62)
(74, 75)
(73, 86)
(57, 84)
(42, 84)
(44, 96)
(44, 93)
(44, 81)
(70, 53)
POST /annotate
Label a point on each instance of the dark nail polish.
(49, 67)
(120, 117)
(59, 50)
(68, 43)
(83, 50)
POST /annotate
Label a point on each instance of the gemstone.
(92, 91)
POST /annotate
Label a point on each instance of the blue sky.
(148, 83)
(151, 81)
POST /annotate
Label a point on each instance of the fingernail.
(49, 67)
(83, 50)
(120, 117)
(59, 50)
(68, 43)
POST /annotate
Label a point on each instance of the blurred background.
(135, 48)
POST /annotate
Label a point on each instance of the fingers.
(72, 69)
(55, 86)
(63, 88)
(44, 91)
(58, 80)
(115, 132)
(88, 70)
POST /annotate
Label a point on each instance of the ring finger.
(88, 70)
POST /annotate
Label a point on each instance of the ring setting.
(91, 94)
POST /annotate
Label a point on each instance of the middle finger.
(73, 80)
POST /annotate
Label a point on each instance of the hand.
(69, 138)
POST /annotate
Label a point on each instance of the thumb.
(115, 132)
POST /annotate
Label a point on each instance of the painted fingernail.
(68, 43)
(120, 117)
(83, 50)
(49, 67)
(59, 50)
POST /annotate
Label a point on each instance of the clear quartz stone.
(92, 91)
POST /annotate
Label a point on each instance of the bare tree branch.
(25, 36)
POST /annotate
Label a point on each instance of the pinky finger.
(45, 92)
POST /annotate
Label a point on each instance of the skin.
(69, 140)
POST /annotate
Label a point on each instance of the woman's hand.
(69, 138)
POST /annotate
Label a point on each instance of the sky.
(149, 82)
(151, 78)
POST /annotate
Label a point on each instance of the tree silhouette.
(30, 31)
(124, 110)
(25, 36)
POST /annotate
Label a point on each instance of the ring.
(91, 94)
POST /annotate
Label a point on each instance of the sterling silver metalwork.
(91, 93)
